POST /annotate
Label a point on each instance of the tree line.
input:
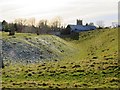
(21, 24)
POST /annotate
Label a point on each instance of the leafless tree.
(43, 26)
(21, 21)
(100, 24)
(56, 22)
(114, 24)
(42, 23)
(31, 21)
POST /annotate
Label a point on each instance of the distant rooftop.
(78, 28)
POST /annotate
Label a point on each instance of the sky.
(68, 10)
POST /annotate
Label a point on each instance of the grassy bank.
(91, 63)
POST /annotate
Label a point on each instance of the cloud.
(69, 10)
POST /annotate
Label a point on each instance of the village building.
(79, 27)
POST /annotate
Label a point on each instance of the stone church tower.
(79, 22)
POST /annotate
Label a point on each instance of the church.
(79, 27)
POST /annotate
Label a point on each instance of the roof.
(78, 28)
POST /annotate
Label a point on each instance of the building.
(79, 22)
(78, 28)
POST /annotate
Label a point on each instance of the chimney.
(79, 22)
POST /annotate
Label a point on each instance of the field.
(90, 62)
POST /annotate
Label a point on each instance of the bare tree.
(100, 24)
(43, 26)
(42, 23)
(114, 24)
(56, 22)
(31, 21)
(21, 21)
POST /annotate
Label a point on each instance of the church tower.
(79, 22)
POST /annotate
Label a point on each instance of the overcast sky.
(68, 10)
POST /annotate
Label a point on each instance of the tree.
(43, 26)
(42, 23)
(5, 26)
(31, 22)
(100, 24)
(114, 24)
(12, 29)
(56, 23)
(20, 23)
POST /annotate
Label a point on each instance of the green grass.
(93, 65)
(51, 47)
